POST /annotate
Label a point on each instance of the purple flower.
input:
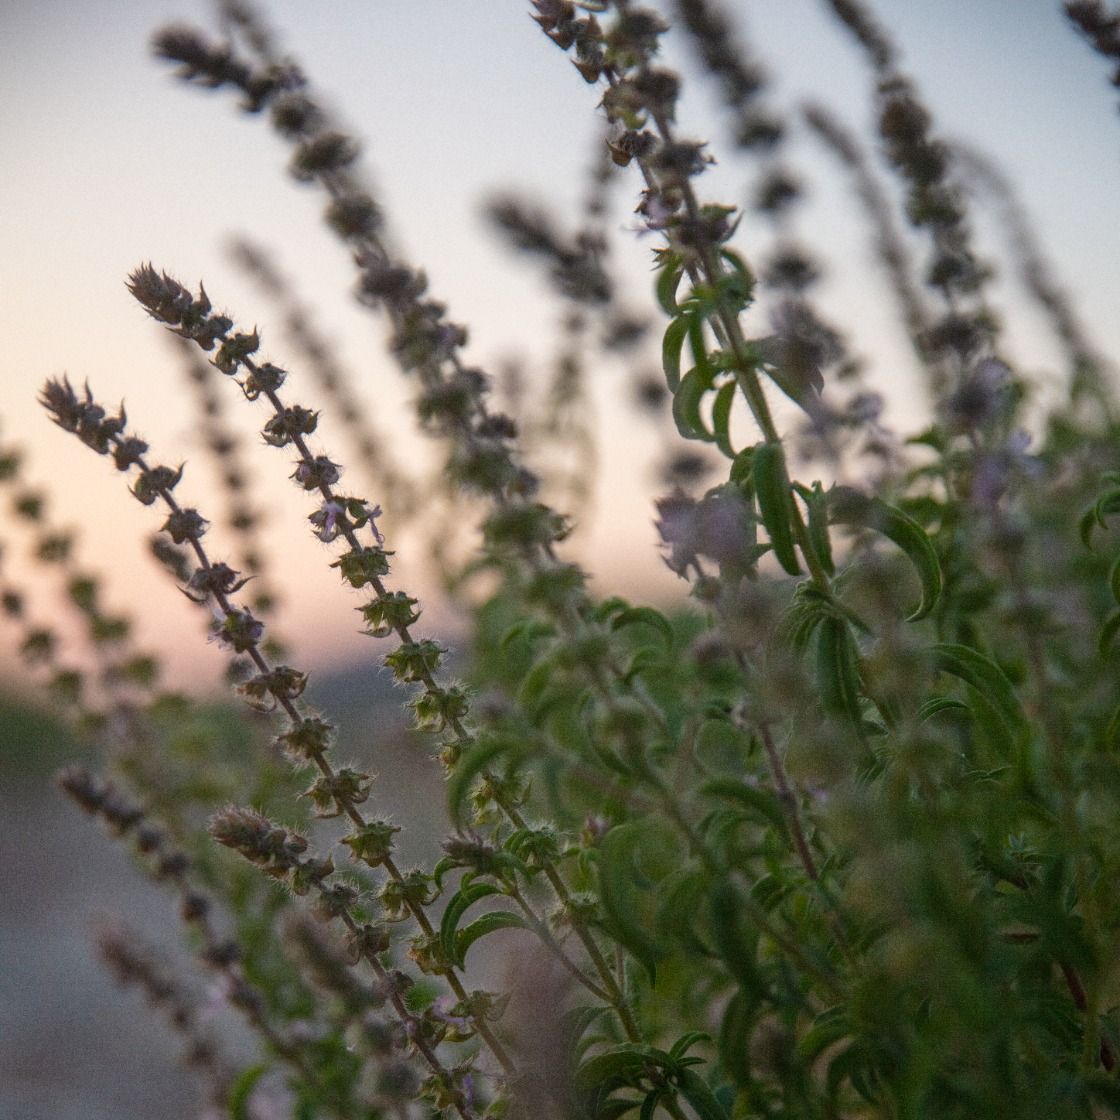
(338, 515)
(998, 468)
(326, 520)
(443, 1009)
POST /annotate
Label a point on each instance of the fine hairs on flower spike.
(830, 833)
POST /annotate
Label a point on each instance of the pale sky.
(108, 162)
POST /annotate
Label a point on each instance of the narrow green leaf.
(529, 629)
(1112, 731)
(741, 472)
(617, 880)
(671, 346)
(686, 406)
(985, 676)
(1096, 516)
(1114, 579)
(456, 907)
(816, 503)
(743, 286)
(735, 942)
(480, 927)
(838, 669)
(769, 890)
(828, 1027)
(1108, 633)
(650, 1103)
(760, 803)
(473, 762)
(686, 1042)
(574, 1023)
(613, 1109)
(241, 1091)
(536, 681)
(621, 1065)
(721, 418)
(775, 503)
(735, 1037)
(938, 705)
(681, 895)
(695, 1090)
(850, 507)
(672, 268)
(1085, 526)
(698, 344)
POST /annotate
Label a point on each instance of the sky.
(108, 162)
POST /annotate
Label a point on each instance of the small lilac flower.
(336, 515)
(655, 210)
(442, 1010)
(997, 469)
(374, 513)
(326, 520)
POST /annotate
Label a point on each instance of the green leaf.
(850, 507)
(735, 1037)
(456, 907)
(574, 1025)
(699, 346)
(1085, 526)
(681, 895)
(828, 1027)
(480, 927)
(1112, 731)
(686, 406)
(528, 629)
(838, 669)
(671, 346)
(735, 942)
(721, 418)
(742, 286)
(695, 1090)
(672, 268)
(643, 661)
(938, 705)
(473, 762)
(741, 472)
(775, 503)
(760, 803)
(1108, 633)
(769, 890)
(647, 615)
(986, 677)
(618, 874)
(613, 1109)
(851, 1064)
(686, 1042)
(621, 1065)
(241, 1091)
(816, 503)
(1106, 504)
(1114, 579)
(536, 682)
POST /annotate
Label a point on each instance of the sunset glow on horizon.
(110, 162)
